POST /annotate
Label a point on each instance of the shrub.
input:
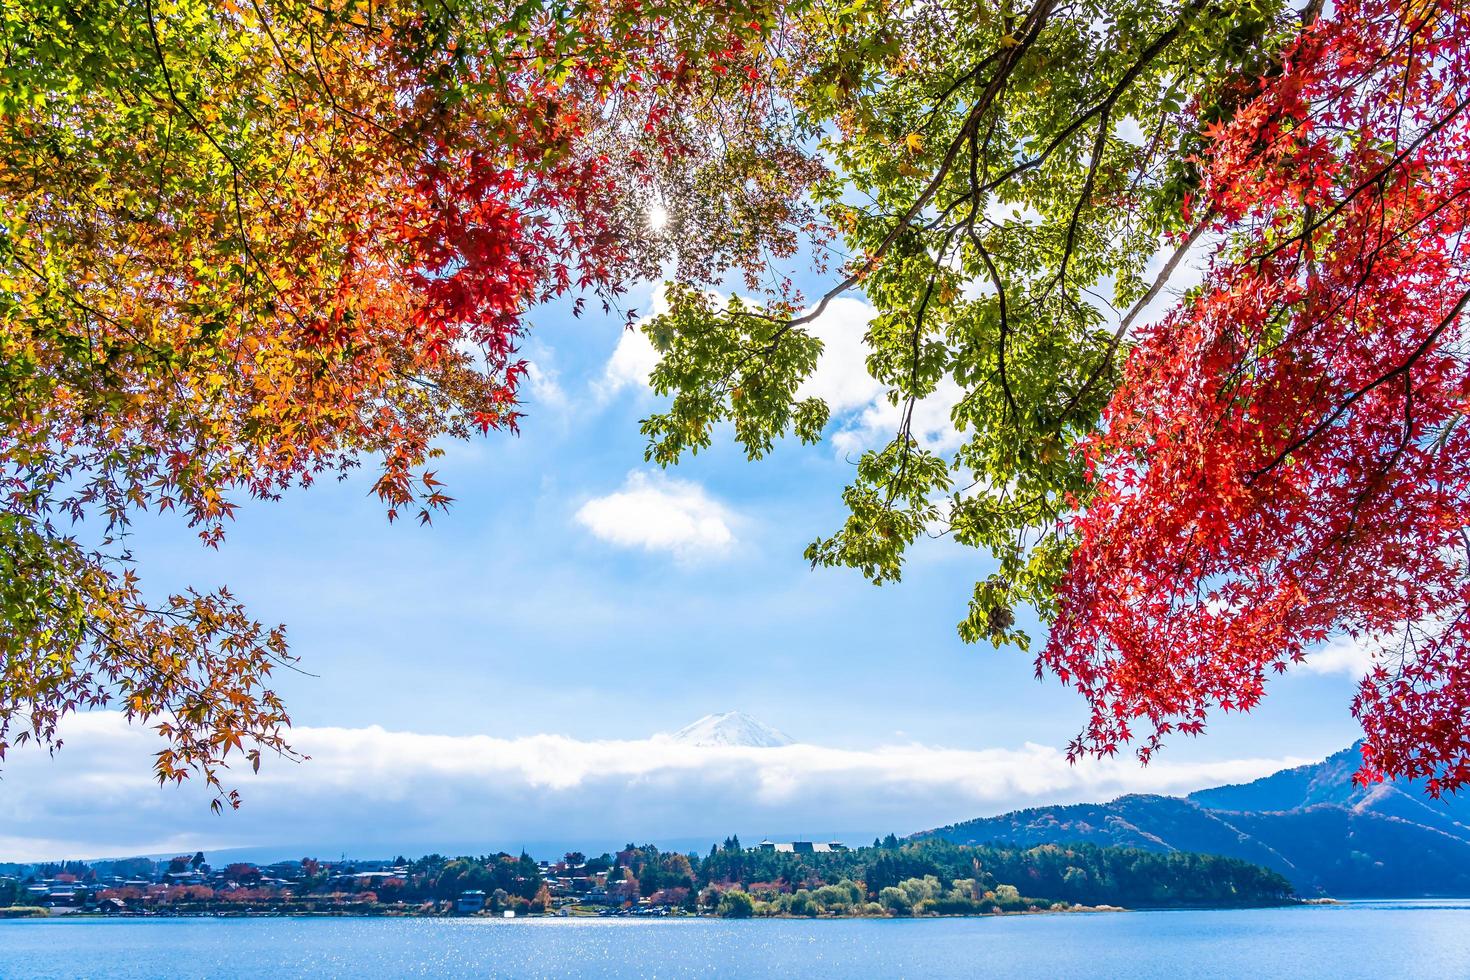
(896, 900)
(802, 903)
(1008, 897)
(921, 889)
(736, 905)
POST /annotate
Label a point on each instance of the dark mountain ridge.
(1312, 824)
(1330, 783)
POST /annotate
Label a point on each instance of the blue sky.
(574, 591)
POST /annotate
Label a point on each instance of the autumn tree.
(248, 244)
(1193, 497)
(1310, 478)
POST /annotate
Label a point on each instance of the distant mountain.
(733, 728)
(1330, 783)
(1311, 823)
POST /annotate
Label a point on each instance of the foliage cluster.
(248, 245)
(1076, 875)
(245, 245)
(1193, 502)
(930, 877)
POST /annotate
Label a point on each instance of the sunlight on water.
(1429, 938)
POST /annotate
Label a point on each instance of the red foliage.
(248, 895)
(242, 872)
(670, 896)
(125, 894)
(1285, 460)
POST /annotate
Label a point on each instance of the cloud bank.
(369, 791)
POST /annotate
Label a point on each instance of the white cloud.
(1356, 656)
(546, 389)
(632, 361)
(369, 791)
(932, 424)
(634, 358)
(660, 513)
(1343, 655)
(866, 418)
(841, 378)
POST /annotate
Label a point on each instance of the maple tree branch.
(1035, 20)
(235, 170)
(1374, 179)
(1402, 368)
(1107, 103)
(1137, 308)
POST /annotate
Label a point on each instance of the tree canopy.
(1190, 500)
(245, 245)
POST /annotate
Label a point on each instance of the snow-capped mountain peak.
(732, 728)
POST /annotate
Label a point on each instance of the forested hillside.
(1312, 824)
(1082, 874)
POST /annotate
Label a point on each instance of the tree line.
(891, 877)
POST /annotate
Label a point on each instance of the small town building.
(470, 902)
(803, 847)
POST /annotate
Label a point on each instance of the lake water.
(1360, 939)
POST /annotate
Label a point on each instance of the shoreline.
(47, 915)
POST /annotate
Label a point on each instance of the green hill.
(1311, 824)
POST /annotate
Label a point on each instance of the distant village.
(891, 877)
(633, 881)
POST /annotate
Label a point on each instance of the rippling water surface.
(1360, 939)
